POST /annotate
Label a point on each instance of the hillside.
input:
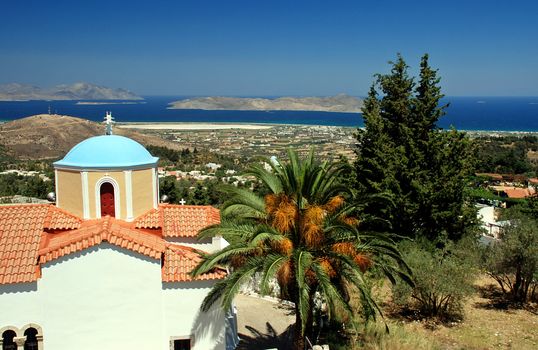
(77, 91)
(339, 103)
(52, 136)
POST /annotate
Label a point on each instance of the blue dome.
(106, 152)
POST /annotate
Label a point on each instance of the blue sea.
(464, 113)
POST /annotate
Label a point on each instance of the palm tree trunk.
(298, 338)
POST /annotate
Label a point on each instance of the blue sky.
(228, 47)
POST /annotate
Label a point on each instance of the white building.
(107, 267)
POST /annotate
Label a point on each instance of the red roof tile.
(94, 232)
(151, 219)
(179, 220)
(59, 219)
(516, 192)
(20, 232)
(24, 244)
(179, 261)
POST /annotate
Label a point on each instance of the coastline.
(194, 126)
(264, 126)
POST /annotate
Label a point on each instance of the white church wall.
(107, 297)
(104, 297)
(208, 245)
(19, 305)
(184, 319)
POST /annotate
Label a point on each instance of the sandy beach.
(193, 126)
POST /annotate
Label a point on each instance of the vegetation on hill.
(507, 154)
(443, 278)
(513, 260)
(186, 159)
(27, 186)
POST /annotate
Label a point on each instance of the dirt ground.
(263, 324)
(489, 324)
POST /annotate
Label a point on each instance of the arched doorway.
(7, 340)
(31, 339)
(107, 200)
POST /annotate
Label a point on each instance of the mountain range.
(339, 103)
(76, 91)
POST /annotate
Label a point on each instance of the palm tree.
(304, 234)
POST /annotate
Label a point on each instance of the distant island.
(110, 103)
(77, 91)
(339, 103)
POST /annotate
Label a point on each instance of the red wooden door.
(107, 200)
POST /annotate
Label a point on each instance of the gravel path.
(263, 324)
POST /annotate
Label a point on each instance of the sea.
(463, 113)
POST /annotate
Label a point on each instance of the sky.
(269, 48)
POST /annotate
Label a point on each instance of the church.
(107, 266)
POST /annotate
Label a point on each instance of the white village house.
(107, 267)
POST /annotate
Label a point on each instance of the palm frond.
(268, 178)
(228, 288)
(271, 265)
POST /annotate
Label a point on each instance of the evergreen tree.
(402, 155)
(168, 187)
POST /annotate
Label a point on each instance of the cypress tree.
(404, 156)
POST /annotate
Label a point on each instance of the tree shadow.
(494, 298)
(497, 300)
(412, 314)
(259, 340)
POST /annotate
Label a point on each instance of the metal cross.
(108, 121)
(182, 201)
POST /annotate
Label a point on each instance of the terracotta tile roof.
(151, 219)
(94, 232)
(20, 232)
(179, 220)
(515, 192)
(24, 243)
(179, 262)
(59, 219)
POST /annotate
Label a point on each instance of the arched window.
(31, 342)
(107, 200)
(7, 340)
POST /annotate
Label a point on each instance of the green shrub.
(513, 260)
(443, 278)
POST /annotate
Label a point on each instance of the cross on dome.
(182, 201)
(108, 121)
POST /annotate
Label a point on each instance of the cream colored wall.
(69, 191)
(142, 181)
(119, 177)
